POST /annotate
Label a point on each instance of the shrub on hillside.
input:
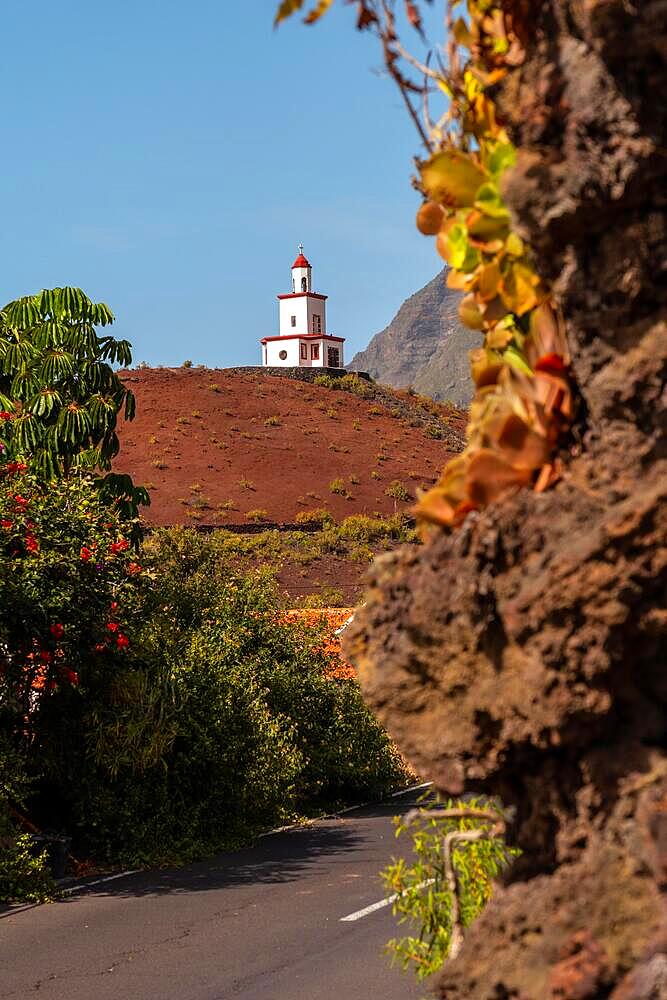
(319, 516)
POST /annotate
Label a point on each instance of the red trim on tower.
(304, 336)
(298, 295)
(300, 262)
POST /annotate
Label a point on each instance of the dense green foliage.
(355, 538)
(158, 705)
(423, 894)
(59, 395)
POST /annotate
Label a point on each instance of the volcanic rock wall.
(525, 654)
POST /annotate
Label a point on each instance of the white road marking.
(98, 881)
(413, 788)
(380, 904)
(341, 812)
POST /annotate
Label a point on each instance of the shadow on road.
(274, 858)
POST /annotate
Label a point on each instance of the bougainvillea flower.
(6, 524)
(120, 546)
(45, 656)
(134, 568)
(31, 543)
(6, 415)
(122, 641)
(113, 626)
(57, 630)
(11, 467)
(86, 554)
(20, 501)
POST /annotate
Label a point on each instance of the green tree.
(59, 394)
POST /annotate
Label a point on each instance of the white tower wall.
(297, 307)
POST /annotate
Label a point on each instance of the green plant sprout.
(460, 849)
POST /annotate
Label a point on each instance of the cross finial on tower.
(300, 247)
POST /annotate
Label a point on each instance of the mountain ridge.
(424, 346)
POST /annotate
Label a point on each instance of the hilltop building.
(303, 340)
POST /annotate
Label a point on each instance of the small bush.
(227, 505)
(187, 364)
(375, 411)
(246, 484)
(319, 516)
(477, 864)
(196, 414)
(257, 515)
(338, 486)
(24, 874)
(326, 380)
(375, 474)
(357, 386)
(354, 480)
(433, 432)
(195, 487)
(397, 490)
(159, 463)
(272, 422)
(214, 387)
(182, 421)
(152, 439)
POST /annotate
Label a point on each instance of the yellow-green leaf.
(489, 201)
(516, 359)
(489, 280)
(519, 288)
(487, 232)
(452, 178)
(317, 12)
(470, 314)
(453, 245)
(462, 33)
(500, 158)
(286, 9)
(514, 245)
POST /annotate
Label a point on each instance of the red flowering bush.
(67, 589)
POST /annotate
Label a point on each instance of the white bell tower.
(302, 273)
(302, 340)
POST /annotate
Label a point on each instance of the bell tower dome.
(302, 273)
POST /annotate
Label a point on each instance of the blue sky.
(168, 158)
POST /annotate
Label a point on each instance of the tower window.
(304, 284)
(293, 320)
(293, 285)
(282, 355)
(304, 352)
(317, 324)
(333, 360)
(314, 352)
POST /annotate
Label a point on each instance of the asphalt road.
(259, 924)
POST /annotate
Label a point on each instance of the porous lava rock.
(524, 654)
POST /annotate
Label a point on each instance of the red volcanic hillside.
(231, 446)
